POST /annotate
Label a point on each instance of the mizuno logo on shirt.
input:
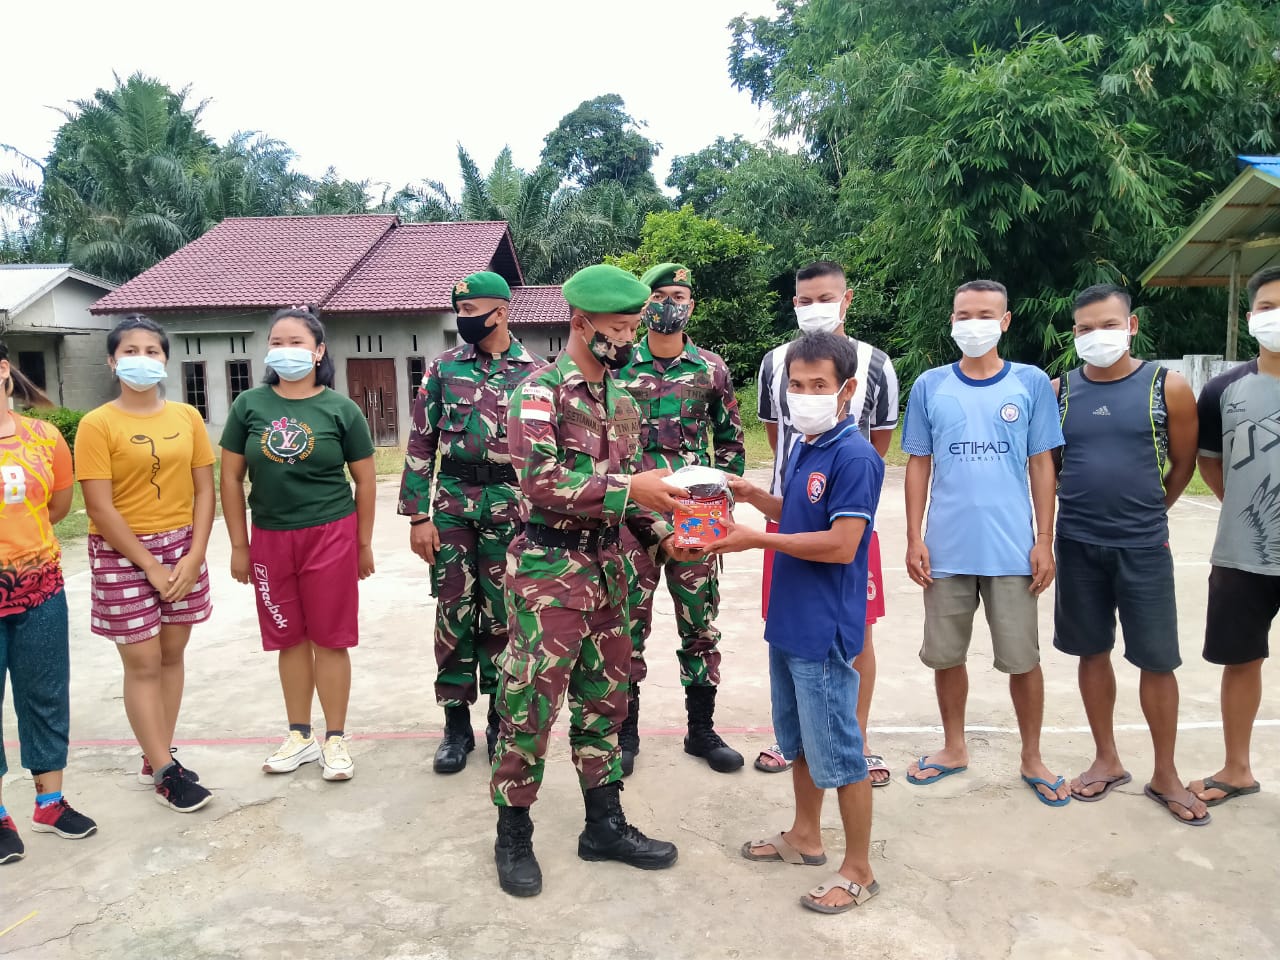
(1102, 411)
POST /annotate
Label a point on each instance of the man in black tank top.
(1131, 431)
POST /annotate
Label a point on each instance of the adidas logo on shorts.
(1102, 411)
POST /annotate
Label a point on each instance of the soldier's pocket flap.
(520, 667)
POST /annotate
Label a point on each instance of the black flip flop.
(1229, 792)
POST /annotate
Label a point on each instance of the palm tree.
(556, 230)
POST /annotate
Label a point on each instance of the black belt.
(478, 472)
(588, 540)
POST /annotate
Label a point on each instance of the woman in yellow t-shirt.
(35, 468)
(145, 465)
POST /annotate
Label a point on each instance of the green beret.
(604, 288)
(668, 275)
(482, 284)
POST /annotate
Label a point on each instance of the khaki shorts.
(949, 606)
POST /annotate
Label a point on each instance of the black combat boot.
(703, 741)
(518, 870)
(491, 729)
(608, 836)
(459, 740)
(629, 735)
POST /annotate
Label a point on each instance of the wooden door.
(372, 385)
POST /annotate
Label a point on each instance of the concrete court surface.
(398, 862)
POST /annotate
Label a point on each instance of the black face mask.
(473, 329)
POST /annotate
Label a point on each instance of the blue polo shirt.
(814, 605)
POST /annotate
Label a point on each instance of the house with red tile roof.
(383, 288)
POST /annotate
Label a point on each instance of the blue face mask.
(140, 373)
(291, 363)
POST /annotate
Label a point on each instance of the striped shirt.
(875, 401)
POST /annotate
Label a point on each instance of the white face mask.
(818, 317)
(1102, 348)
(1265, 328)
(975, 338)
(814, 413)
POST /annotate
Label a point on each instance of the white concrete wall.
(547, 341)
(213, 339)
(1199, 369)
(75, 363)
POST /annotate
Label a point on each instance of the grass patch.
(76, 523)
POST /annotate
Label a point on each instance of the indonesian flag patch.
(535, 404)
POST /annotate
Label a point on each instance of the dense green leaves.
(732, 314)
(600, 141)
(1048, 144)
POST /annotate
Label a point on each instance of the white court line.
(1013, 731)
(1215, 506)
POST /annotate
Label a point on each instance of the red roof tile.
(416, 265)
(253, 262)
(345, 264)
(538, 305)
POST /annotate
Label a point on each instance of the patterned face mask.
(614, 354)
(666, 316)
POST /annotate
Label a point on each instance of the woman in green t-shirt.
(312, 540)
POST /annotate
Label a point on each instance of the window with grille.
(194, 387)
(239, 378)
(417, 370)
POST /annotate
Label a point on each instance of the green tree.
(733, 316)
(1050, 144)
(700, 178)
(600, 141)
(132, 177)
(556, 230)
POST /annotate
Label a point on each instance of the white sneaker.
(336, 761)
(292, 753)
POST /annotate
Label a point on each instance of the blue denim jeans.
(34, 652)
(815, 713)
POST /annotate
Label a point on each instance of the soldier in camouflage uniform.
(461, 413)
(573, 438)
(684, 393)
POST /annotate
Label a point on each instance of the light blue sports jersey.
(980, 434)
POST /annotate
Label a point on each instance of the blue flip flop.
(943, 772)
(1034, 782)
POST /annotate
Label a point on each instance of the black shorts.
(1095, 582)
(1241, 608)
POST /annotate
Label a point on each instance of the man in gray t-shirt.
(1239, 459)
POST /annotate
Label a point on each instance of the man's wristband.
(1039, 535)
(418, 522)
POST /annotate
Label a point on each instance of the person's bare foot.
(1227, 775)
(840, 897)
(945, 757)
(1098, 776)
(877, 775)
(808, 848)
(1036, 769)
(1172, 787)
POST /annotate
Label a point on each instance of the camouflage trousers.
(556, 651)
(695, 591)
(471, 620)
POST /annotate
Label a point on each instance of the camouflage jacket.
(574, 446)
(678, 405)
(461, 412)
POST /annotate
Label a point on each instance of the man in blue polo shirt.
(817, 614)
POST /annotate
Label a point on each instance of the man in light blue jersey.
(984, 431)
